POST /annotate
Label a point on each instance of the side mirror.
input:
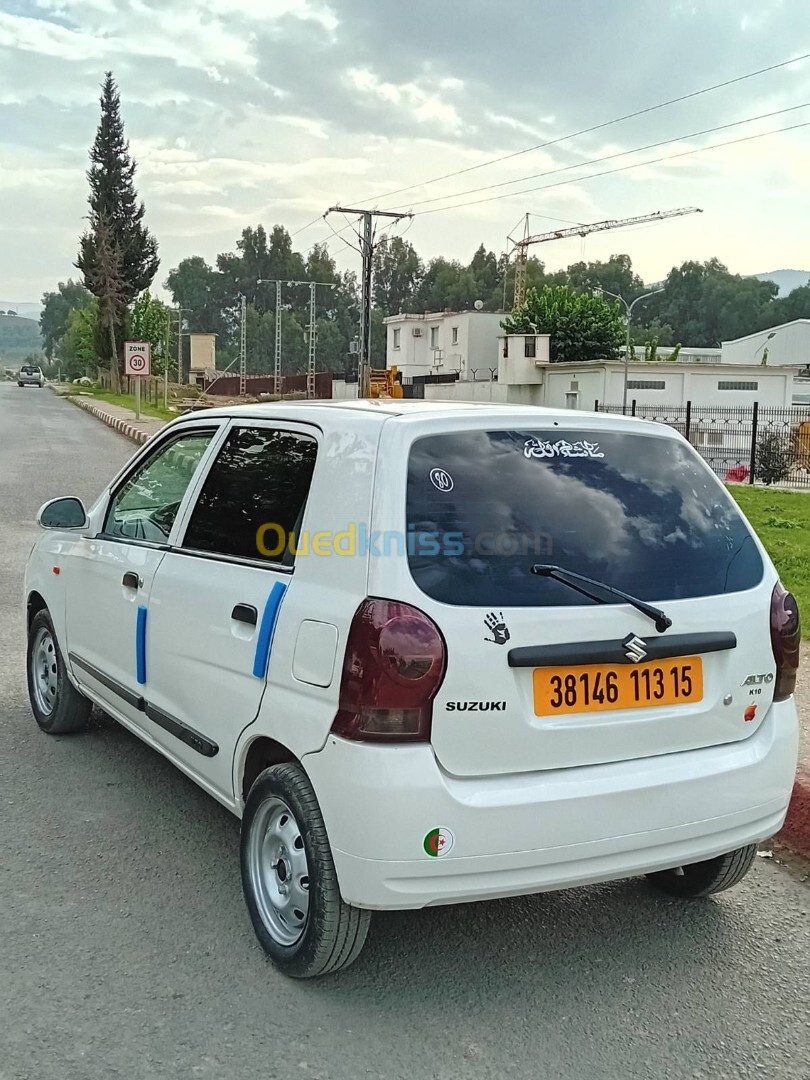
(68, 513)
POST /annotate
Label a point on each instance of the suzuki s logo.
(757, 680)
(634, 648)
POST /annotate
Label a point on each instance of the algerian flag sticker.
(438, 843)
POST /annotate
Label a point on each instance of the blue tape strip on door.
(268, 625)
(140, 646)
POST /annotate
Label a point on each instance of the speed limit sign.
(137, 358)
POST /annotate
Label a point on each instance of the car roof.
(334, 413)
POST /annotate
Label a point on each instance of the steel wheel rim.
(279, 871)
(44, 671)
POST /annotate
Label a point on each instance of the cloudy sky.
(247, 111)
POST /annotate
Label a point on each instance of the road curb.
(795, 833)
(121, 426)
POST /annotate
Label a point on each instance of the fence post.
(596, 405)
(633, 408)
(688, 420)
(754, 425)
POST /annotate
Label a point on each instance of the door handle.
(130, 580)
(246, 614)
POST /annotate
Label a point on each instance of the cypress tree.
(116, 223)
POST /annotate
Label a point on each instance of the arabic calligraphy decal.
(539, 448)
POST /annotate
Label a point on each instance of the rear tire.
(289, 880)
(706, 878)
(57, 705)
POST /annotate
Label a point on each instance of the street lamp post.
(762, 346)
(629, 315)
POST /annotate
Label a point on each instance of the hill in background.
(19, 338)
(787, 280)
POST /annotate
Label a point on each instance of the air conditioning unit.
(417, 331)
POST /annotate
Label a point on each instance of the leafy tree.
(56, 309)
(106, 281)
(397, 273)
(117, 233)
(203, 295)
(77, 346)
(704, 304)
(149, 321)
(581, 326)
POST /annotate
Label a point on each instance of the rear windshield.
(30, 371)
(639, 512)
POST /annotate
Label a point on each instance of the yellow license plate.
(599, 687)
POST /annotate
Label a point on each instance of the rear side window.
(639, 512)
(260, 477)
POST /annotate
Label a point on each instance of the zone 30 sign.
(137, 358)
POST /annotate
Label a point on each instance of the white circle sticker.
(438, 843)
(441, 479)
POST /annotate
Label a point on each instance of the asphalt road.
(125, 949)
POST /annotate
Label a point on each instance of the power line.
(564, 138)
(596, 127)
(611, 157)
(611, 172)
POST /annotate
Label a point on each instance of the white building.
(443, 343)
(787, 345)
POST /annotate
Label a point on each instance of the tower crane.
(521, 247)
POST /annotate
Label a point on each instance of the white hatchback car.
(430, 653)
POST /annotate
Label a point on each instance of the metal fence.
(763, 443)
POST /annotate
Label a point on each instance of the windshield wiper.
(571, 579)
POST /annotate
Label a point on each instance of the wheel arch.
(35, 603)
(260, 754)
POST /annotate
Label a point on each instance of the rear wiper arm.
(571, 579)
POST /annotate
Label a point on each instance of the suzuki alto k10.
(429, 653)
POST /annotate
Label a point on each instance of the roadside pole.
(137, 365)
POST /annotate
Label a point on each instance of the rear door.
(218, 595)
(540, 676)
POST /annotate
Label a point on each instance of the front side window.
(642, 513)
(261, 477)
(146, 506)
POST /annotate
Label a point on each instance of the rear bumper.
(540, 831)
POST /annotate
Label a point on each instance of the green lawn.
(126, 401)
(782, 521)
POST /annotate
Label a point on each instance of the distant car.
(30, 376)
(343, 622)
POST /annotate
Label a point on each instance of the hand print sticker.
(494, 622)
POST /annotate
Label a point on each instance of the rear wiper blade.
(571, 579)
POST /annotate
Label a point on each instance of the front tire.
(289, 880)
(706, 878)
(57, 705)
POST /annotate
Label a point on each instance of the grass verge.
(125, 401)
(782, 522)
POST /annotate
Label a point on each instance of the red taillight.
(786, 633)
(394, 664)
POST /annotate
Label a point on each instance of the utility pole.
(313, 286)
(179, 345)
(367, 251)
(277, 356)
(243, 346)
